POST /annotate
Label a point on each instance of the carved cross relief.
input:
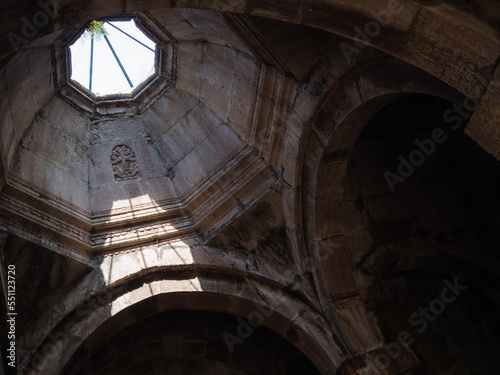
(124, 163)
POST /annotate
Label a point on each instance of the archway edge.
(201, 293)
(175, 261)
(340, 119)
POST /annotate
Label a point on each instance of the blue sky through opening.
(108, 78)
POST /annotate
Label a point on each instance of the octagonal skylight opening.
(112, 57)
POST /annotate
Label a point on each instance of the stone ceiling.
(241, 178)
(203, 145)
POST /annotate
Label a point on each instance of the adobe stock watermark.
(426, 147)
(420, 319)
(256, 318)
(31, 27)
(371, 30)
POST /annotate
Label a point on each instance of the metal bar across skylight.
(93, 57)
(130, 36)
(118, 61)
(91, 63)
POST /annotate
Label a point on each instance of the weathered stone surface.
(7, 130)
(243, 87)
(271, 143)
(483, 124)
(218, 76)
(136, 5)
(41, 76)
(20, 95)
(225, 5)
(356, 323)
(287, 11)
(53, 180)
(167, 111)
(199, 123)
(57, 148)
(37, 286)
(131, 195)
(189, 76)
(267, 239)
(376, 23)
(467, 56)
(207, 157)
